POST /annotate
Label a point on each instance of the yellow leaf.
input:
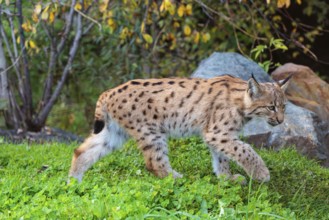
(138, 40)
(176, 24)
(280, 3)
(124, 33)
(18, 40)
(205, 37)
(148, 38)
(173, 45)
(51, 17)
(78, 6)
(188, 9)
(170, 37)
(102, 7)
(35, 17)
(172, 9)
(187, 30)
(166, 5)
(37, 9)
(287, 3)
(142, 27)
(45, 14)
(162, 6)
(196, 37)
(268, 1)
(111, 22)
(110, 13)
(112, 25)
(27, 26)
(87, 3)
(181, 10)
(283, 3)
(299, 2)
(32, 44)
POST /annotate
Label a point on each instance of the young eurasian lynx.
(150, 110)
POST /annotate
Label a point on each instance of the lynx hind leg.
(155, 152)
(96, 146)
(242, 153)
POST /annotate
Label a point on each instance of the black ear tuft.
(253, 77)
(284, 83)
(98, 126)
(254, 88)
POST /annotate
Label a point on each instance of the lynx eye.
(271, 108)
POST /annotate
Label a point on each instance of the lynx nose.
(275, 121)
(279, 121)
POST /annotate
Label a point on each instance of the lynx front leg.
(220, 163)
(242, 153)
(156, 158)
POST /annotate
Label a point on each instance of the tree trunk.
(4, 95)
(3, 77)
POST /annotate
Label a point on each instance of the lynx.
(151, 110)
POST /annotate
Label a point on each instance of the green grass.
(119, 187)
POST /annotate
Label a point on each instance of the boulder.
(302, 128)
(306, 89)
(230, 63)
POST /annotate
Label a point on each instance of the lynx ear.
(254, 88)
(285, 83)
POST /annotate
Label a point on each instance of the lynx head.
(266, 100)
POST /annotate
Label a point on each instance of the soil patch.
(47, 134)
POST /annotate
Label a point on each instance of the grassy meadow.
(33, 186)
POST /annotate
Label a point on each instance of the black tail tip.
(98, 126)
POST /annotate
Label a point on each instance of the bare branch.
(14, 62)
(90, 18)
(88, 28)
(227, 19)
(51, 66)
(68, 23)
(16, 113)
(49, 35)
(26, 80)
(12, 29)
(74, 47)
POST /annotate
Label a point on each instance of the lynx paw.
(176, 175)
(239, 178)
(261, 174)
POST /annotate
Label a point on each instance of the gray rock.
(301, 128)
(230, 63)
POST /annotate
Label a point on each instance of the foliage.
(182, 35)
(122, 40)
(275, 44)
(33, 185)
(19, 28)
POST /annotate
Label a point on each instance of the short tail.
(100, 117)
